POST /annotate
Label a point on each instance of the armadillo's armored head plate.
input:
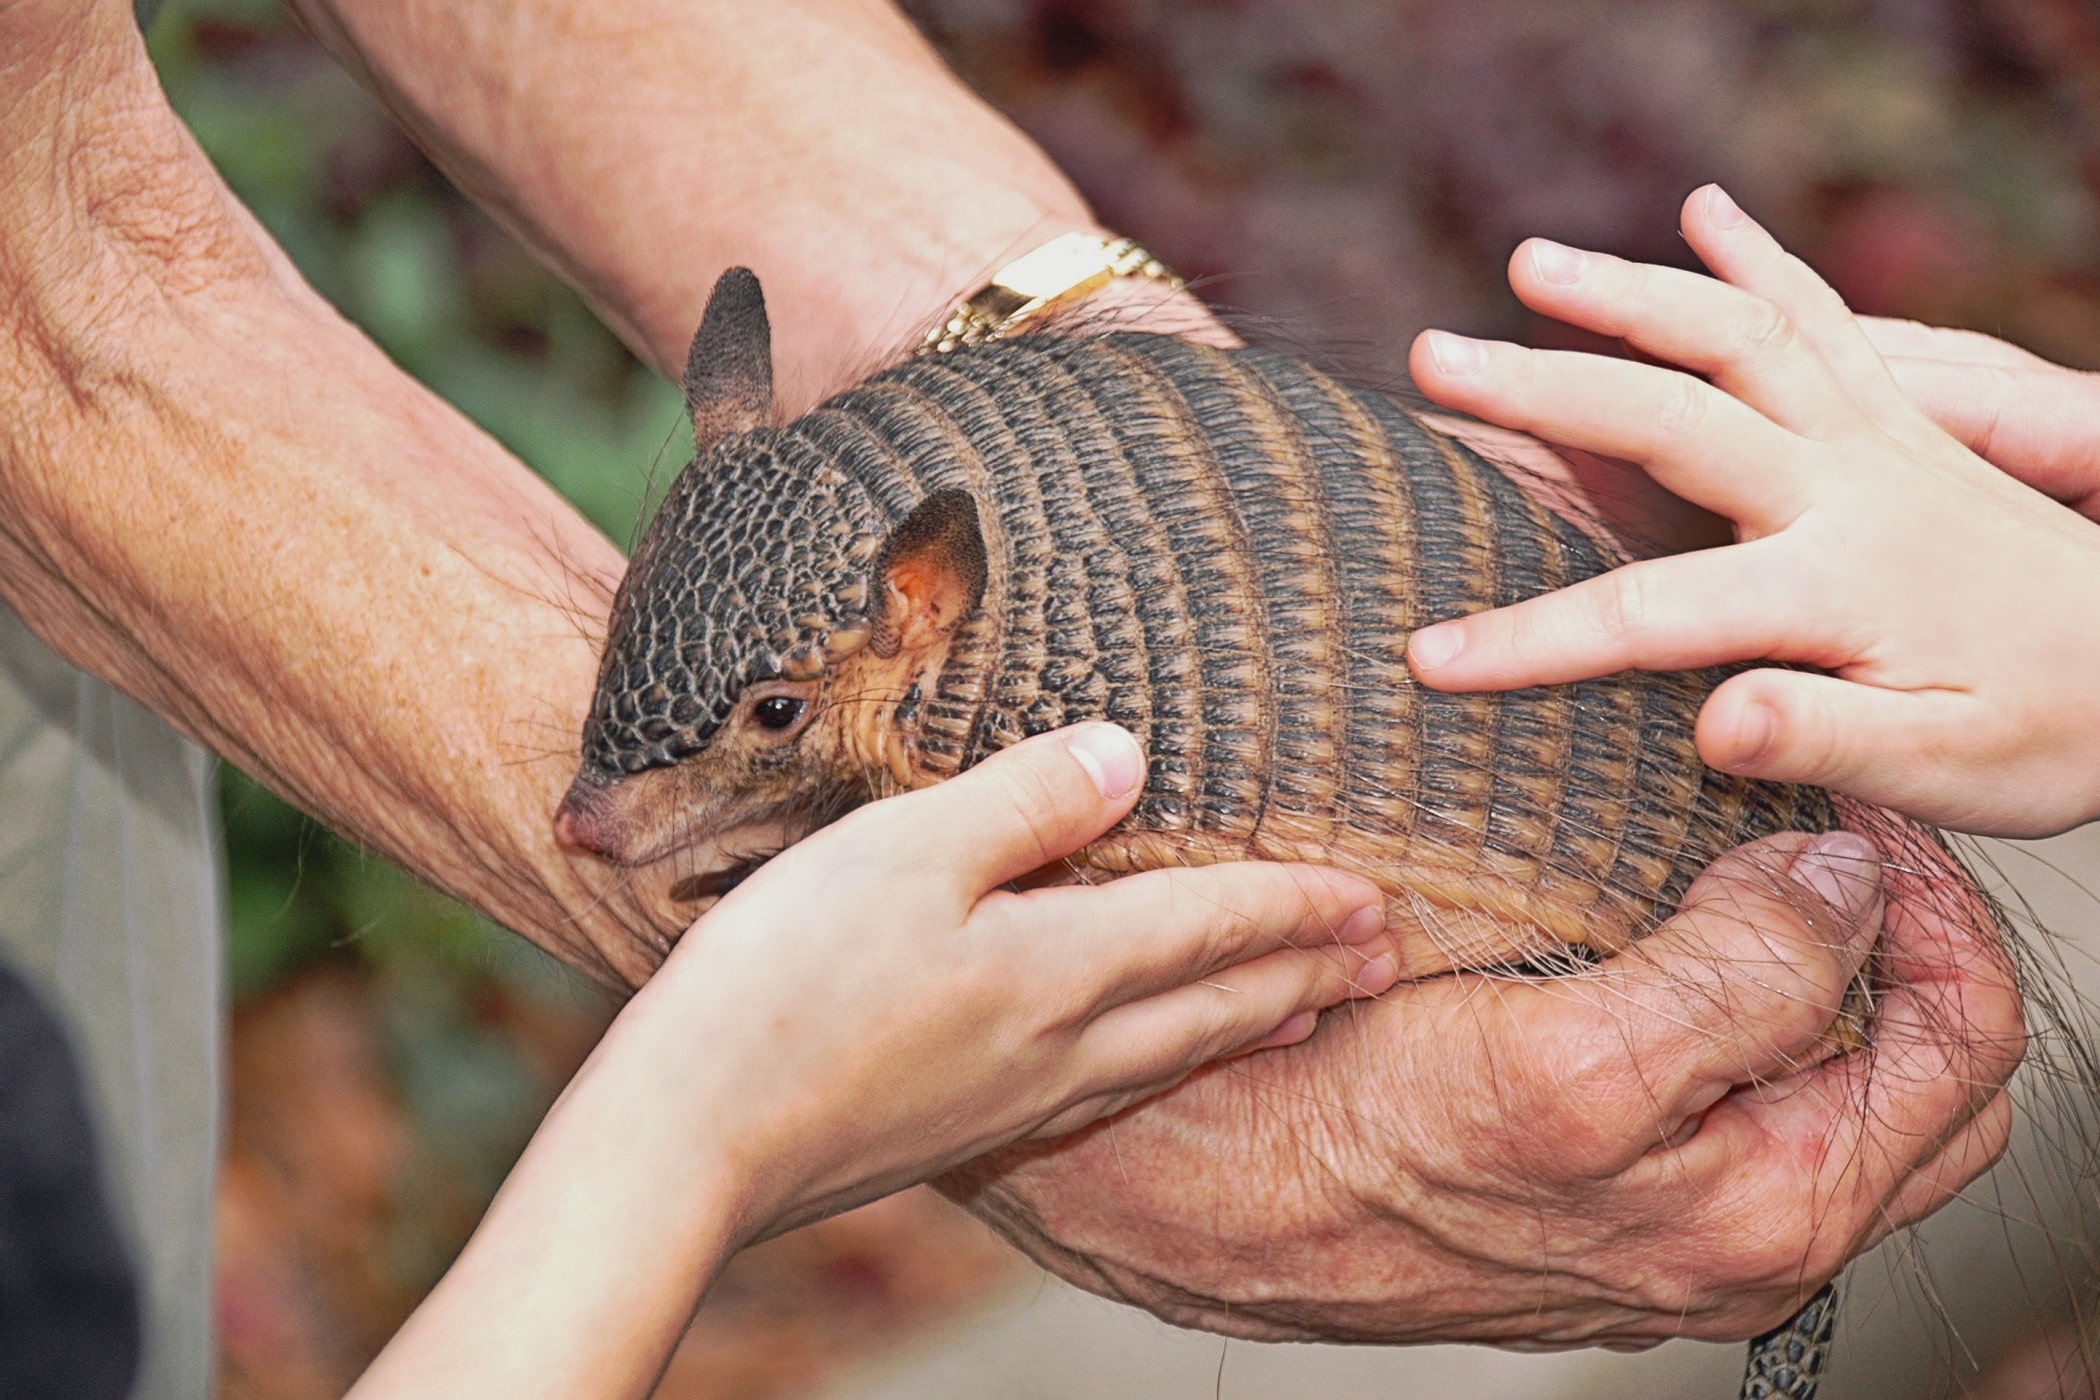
(756, 645)
(752, 578)
(750, 585)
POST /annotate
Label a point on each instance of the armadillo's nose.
(585, 823)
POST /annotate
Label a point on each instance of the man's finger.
(1676, 613)
(1946, 1036)
(1744, 983)
(1868, 1174)
(1974, 1150)
(1701, 444)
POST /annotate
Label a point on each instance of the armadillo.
(1223, 551)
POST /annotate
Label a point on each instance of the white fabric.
(111, 905)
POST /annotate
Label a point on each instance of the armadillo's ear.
(930, 574)
(729, 370)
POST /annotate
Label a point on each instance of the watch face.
(1060, 272)
(1053, 271)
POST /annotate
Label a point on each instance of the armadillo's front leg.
(1787, 1363)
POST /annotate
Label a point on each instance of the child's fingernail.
(1364, 925)
(1434, 646)
(1455, 354)
(1110, 756)
(1755, 729)
(1844, 871)
(1378, 975)
(1721, 209)
(1556, 262)
(1290, 1032)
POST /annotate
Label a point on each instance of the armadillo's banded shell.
(1226, 552)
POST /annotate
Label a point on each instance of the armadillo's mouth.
(634, 819)
(603, 818)
(713, 884)
(649, 818)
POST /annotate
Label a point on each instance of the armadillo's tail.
(1787, 1362)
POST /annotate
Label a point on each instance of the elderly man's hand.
(1644, 1151)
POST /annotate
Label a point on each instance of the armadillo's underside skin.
(1224, 552)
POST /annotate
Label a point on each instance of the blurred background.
(1348, 171)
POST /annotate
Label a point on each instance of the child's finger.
(1147, 934)
(1021, 808)
(2034, 423)
(1742, 341)
(1676, 613)
(1149, 1044)
(1699, 443)
(1915, 340)
(1742, 253)
(1865, 741)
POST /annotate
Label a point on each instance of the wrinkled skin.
(1560, 1196)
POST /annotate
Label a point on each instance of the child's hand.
(1958, 609)
(874, 1006)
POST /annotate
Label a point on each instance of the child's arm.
(871, 1008)
(874, 1006)
(1957, 610)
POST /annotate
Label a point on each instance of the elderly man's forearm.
(644, 147)
(217, 494)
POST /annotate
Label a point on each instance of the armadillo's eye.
(777, 711)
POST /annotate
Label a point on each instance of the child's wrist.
(680, 1053)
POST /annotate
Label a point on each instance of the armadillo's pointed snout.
(627, 818)
(587, 824)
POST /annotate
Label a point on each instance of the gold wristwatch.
(1040, 283)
